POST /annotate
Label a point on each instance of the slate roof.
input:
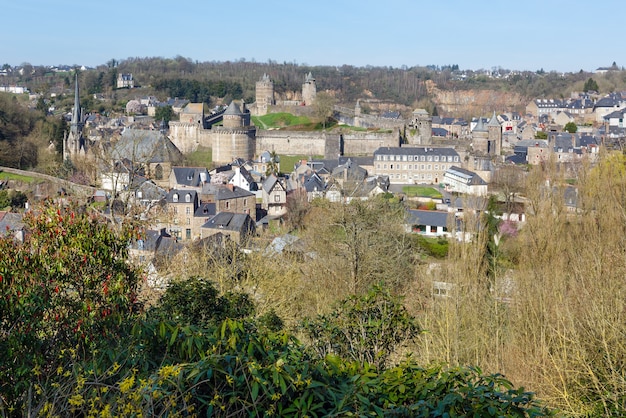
(470, 177)
(182, 193)
(190, 176)
(150, 191)
(269, 183)
(233, 109)
(353, 171)
(493, 122)
(415, 151)
(313, 183)
(225, 193)
(229, 221)
(427, 217)
(146, 146)
(440, 132)
(205, 209)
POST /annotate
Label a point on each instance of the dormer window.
(188, 197)
(175, 197)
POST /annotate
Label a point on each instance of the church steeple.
(76, 114)
(74, 143)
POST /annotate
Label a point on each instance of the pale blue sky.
(525, 35)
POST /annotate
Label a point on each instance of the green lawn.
(288, 161)
(16, 177)
(421, 191)
(279, 120)
(201, 157)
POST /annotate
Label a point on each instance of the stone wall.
(293, 142)
(365, 143)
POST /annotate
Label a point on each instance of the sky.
(554, 35)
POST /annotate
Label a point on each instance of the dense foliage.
(75, 343)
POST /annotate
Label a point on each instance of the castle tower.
(74, 144)
(309, 90)
(236, 138)
(494, 135)
(480, 137)
(264, 94)
(423, 125)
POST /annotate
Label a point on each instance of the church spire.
(76, 114)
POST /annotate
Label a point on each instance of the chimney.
(231, 187)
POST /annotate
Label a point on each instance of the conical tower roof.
(480, 126)
(494, 121)
(233, 109)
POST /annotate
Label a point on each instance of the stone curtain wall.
(365, 143)
(293, 143)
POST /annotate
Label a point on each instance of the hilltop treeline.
(406, 85)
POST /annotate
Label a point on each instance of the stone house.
(408, 165)
(188, 177)
(229, 198)
(125, 81)
(181, 205)
(237, 226)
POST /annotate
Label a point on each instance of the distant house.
(230, 198)
(428, 222)
(125, 81)
(348, 174)
(237, 226)
(192, 177)
(150, 149)
(181, 206)
(274, 196)
(464, 181)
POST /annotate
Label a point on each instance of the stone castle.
(236, 137)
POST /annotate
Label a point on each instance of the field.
(421, 191)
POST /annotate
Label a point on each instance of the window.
(410, 166)
(158, 172)
(175, 197)
(227, 204)
(188, 233)
(187, 210)
(436, 166)
(378, 166)
(422, 158)
(410, 158)
(188, 197)
(404, 158)
(436, 158)
(430, 158)
(391, 166)
(245, 202)
(277, 198)
(421, 166)
(175, 210)
(429, 167)
(385, 166)
(456, 159)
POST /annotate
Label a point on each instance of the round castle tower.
(236, 138)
